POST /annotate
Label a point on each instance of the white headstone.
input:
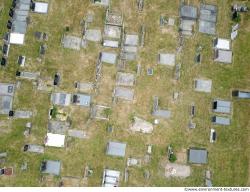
(234, 34)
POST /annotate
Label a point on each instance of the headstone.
(191, 125)
(2, 160)
(192, 111)
(149, 150)
(27, 130)
(163, 21)
(43, 49)
(177, 71)
(84, 43)
(18, 84)
(24, 166)
(147, 159)
(138, 70)
(146, 174)
(140, 4)
(109, 128)
(156, 121)
(45, 37)
(175, 95)
(171, 21)
(208, 174)
(142, 35)
(198, 58)
(3, 155)
(234, 34)
(126, 175)
(235, 27)
(150, 71)
(38, 35)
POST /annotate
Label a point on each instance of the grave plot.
(188, 16)
(221, 106)
(166, 59)
(208, 18)
(113, 18)
(113, 32)
(140, 125)
(51, 167)
(219, 120)
(6, 171)
(28, 75)
(100, 112)
(116, 149)
(19, 114)
(112, 29)
(33, 148)
(130, 47)
(124, 93)
(39, 7)
(62, 99)
(77, 134)
(6, 97)
(223, 56)
(58, 127)
(202, 85)
(71, 42)
(110, 178)
(161, 113)
(125, 79)
(131, 39)
(94, 35)
(84, 87)
(89, 18)
(177, 170)
(82, 100)
(108, 57)
(132, 162)
(197, 156)
(54, 140)
(105, 84)
(220, 43)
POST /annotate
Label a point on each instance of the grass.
(228, 157)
